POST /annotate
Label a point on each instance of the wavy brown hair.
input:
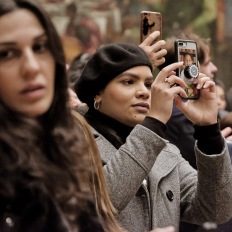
(51, 153)
(105, 208)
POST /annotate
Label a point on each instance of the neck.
(113, 130)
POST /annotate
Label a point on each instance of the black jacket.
(33, 211)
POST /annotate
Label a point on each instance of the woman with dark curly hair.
(46, 167)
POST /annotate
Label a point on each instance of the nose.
(30, 64)
(213, 67)
(143, 92)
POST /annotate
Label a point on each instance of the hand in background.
(74, 101)
(156, 51)
(227, 133)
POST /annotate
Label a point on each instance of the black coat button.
(170, 195)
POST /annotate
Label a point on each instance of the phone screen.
(186, 51)
(150, 22)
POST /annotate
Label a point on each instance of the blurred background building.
(86, 24)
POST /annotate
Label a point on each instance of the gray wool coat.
(152, 186)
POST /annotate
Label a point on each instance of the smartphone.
(149, 22)
(186, 51)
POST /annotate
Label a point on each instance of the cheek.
(118, 98)
(9, 98)
(7, 90)
(49, 66)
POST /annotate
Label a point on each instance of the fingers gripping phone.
(149, 22)
(186, 51)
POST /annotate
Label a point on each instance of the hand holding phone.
(186, 51)
(151, 22)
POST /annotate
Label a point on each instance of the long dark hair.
(48, 154)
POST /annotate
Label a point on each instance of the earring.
(96, 105)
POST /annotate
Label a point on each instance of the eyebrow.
(133, 75)
(41, 36)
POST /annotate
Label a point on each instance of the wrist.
(203, 132)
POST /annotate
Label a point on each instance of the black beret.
(108, 62)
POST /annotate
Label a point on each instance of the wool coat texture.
(152, 186)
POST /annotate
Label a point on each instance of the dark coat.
(37, 212)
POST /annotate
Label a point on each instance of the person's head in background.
(83, 28)
(204, 53)
(88, 33)
(76, 67)
(221, 98)
(74, 72)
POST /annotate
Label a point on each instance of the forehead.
(187, 56)
(140, 68)
(15, 25)
(139, 72)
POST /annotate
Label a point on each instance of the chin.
(36, 110)
(37, 113)
(137, 120)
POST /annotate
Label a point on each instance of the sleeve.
(207, 196)
(209, 138)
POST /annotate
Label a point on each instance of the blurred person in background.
(221, 98)
(180, 128)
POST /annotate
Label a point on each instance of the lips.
(142, 107)
(141, 104)
(33, 91)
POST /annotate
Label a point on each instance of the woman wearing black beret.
(150, 184)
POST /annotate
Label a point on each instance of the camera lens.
(191, 71)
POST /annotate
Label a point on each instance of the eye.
(148, 84)
(6, 54)
(40, 47)
(128, 82)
